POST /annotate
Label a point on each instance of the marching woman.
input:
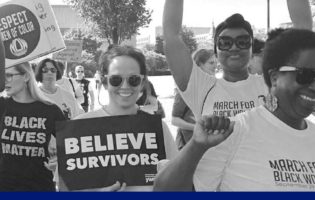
(47, 73)
(27, 123)
(123, 72)
(271, 147)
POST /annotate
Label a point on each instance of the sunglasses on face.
(46, 70)
(304, 76)
(117, 80)
(225, 43)
(9, 77)
(80, 71)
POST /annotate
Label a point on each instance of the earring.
(271, 102)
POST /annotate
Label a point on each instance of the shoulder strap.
(204, 100)
(186, 109)
(72, 87)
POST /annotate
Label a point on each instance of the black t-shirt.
(26, 129)
(84, 85)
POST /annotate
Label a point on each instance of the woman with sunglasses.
(238, 90)
(47, 73)
(27, 124)
(123, 72)
(272, 146)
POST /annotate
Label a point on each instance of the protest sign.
(72, 53)
(95, 153)
(29, 30)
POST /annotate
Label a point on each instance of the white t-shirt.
(169, 143)
(262, 154)
(225, 98)
(65, 84)
(66, 102)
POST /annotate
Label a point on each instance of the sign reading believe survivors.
(95, 153)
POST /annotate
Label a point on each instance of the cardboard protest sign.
(72, 53)
(95, 153)
(29, 30)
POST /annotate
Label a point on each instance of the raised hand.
(210, 131)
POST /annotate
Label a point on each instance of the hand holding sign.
(97, 152)
(212, 130)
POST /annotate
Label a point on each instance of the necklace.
(47, 91)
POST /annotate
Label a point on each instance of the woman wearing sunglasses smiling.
(238, 90)
(271, 147)
(27, 124)
(123, 72)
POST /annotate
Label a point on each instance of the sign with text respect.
(28, 30)
(97, 152)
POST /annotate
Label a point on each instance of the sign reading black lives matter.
(95, 153)
(28, 30)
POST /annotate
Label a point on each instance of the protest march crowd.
(246, 131)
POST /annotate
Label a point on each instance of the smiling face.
(123, 96)
(15, 82)
(234, 60)
(296, 101)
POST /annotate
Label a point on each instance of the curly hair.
(285, 49)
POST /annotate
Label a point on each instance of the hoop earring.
(271, 102)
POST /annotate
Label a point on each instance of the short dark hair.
(272, 34)
(107, 57)
(41, 64)
(234, 21)
(284, 49)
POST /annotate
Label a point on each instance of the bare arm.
(92, 99)
(300, 14)
(180, 123)
(2, 66)
(177, 54)
(178, 173)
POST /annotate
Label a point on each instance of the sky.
(201, 13)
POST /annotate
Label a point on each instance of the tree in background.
(116, 20)
(188, 38)
(90, 50)
(159, 45)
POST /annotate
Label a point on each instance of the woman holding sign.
(27, 123)
(123, 72)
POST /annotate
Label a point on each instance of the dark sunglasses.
(225, 43)
(117, 80)
(304, 76)
(80, 71)
(52, 70)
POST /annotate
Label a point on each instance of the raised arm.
(177, 54)
(300, 14)
(2, 66)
